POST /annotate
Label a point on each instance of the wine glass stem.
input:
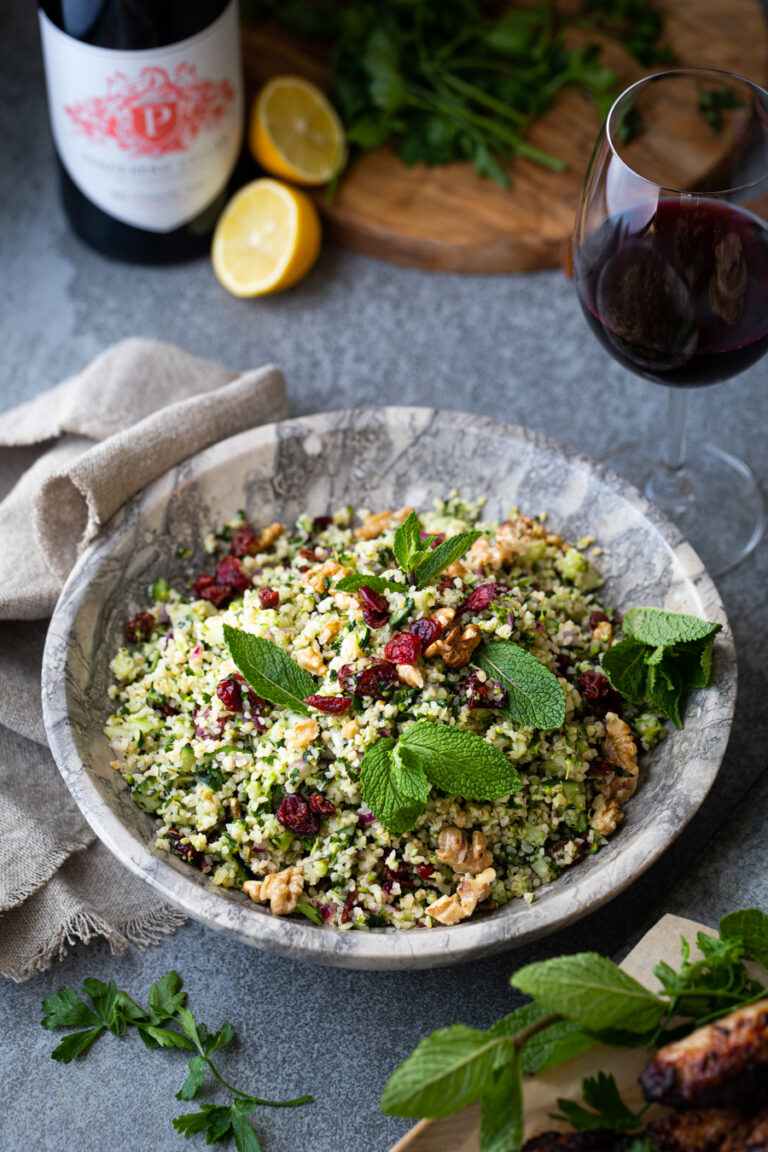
(669, 485)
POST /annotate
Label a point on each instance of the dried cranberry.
(169, 710)
(375, 607)
(326, 911)
(139, 627)
(321, 805)
(437, 540)
(184, 851)
(483, 693)
(320, 523)
(563, 663)
(599, 770)
(427, 629)
(206, 588)
(365, 818)
(596, 618)
(331, 705)
(349, 904)
(229, 572)
(598, 695)
(233, 692)
(269, 597)
(372, 679)
(296, 815)
(205, 728)
(446, 583)
(245, 542)
(479, 599)
(403, 648)
(401, 875)
(425, 871)
(308, 553)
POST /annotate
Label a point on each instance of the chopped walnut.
(456, 646)
(513, 538)
(346, 602)
(302, 733)
(234, 807)
(330, 629)
(602, 634)
(483, 554)
(411, 675)
(472, 890)
(268, 535)
(310, 660)
(454, 849)
(281, 889)
(402, 514)
(619, 748)
(606, 815)
(351, 728)
(321, 576)
(374, 525)
(457, 569)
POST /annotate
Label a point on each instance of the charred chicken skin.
(722, 1064)
(705, 1130)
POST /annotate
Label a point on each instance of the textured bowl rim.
(378, 948)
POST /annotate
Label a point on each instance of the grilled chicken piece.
(750, 1136)
(693, 1131)
(597, 1141)
(722, 1064)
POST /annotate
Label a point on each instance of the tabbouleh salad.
(268, 799)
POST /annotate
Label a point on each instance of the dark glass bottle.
(146, 106)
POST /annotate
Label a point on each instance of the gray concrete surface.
(354, 332)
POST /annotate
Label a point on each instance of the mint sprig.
(166, 1022)
(270, 671)
(394, 775)
(355, 581)
(534, 695)
(663, 655)
(418, 559)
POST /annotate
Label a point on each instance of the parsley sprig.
(577, 1001)
(166, 1022)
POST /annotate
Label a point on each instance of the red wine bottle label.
(151, 137)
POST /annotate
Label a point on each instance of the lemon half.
(295, 132)
(266, 239)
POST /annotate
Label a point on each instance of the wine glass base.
(715, 499)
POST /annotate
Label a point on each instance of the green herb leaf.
(65, 1009)
(215, 1118)
(554, 1045)
(448, 1070)
(395, 792)
(501, 1110)
(591, 991)
(194, 1081)
(606, 1107)
(624, 665)
(164, 1037)
(270, 671)
(750, 927)
(407, 542)
(658, 628)
(534, 694)
(355, 581)
(75, 1044)
(165, 998)
(310, 912)
(443, 556)
(643, 1144)
(458, 761)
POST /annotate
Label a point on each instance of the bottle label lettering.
(151, 137)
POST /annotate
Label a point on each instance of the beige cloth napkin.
(68, 460)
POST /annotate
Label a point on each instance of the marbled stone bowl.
(385, 457)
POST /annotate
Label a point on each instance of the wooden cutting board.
(447, 218)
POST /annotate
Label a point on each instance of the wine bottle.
(146, 108)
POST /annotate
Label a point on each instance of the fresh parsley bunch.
(575, 1002)
(166, 1022)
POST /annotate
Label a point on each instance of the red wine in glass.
(678, 291)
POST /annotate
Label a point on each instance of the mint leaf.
(395, 793)
(310, 912)
(659, 628)
(443, 556)
(270, 671)
(65, 1009)
(354, 583)
(458, 761)
(607, 1109)
(448, 1070)
(665, 690)
(625, 666)
(534, 695)
(554, 1045)
(750, 927)
(592, 991)
(407, 542)
(501, 1110)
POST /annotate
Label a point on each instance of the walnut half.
(472, 890)
(454, 849)
(281, 889)
(456, 647)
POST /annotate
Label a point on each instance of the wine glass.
(671, 267)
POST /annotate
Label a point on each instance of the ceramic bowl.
(382, 457)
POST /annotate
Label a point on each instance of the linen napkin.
(68, 460)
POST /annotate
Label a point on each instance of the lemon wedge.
(266, 239)
(295, 132)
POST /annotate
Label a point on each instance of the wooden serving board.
(448, 219)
